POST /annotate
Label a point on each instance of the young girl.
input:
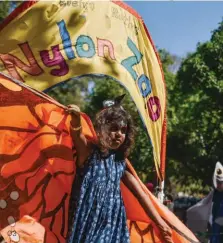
(96, 208)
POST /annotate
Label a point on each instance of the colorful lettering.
(85, 40)
(65, 36)
(11, 62)
(101, 48)
(153, 102)
(129, 62)
(144, 85)
(57, 59)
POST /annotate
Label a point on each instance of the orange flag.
(37, 170)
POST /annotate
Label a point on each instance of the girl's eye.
(123, 130)
(117, 128)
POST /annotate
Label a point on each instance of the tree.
(4, 9)
(72, 91)
(196, 139)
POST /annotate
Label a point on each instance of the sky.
(178, 26)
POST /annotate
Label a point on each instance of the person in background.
(168, 201)
(206, 217)
(216, 218)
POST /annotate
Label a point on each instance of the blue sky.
(178, 26)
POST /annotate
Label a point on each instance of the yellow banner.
(43, 43)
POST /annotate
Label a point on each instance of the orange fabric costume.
(37, 170)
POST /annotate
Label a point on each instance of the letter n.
(11, 62)
(101, 48)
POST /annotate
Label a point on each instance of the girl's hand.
(165, 232)
(75, 112)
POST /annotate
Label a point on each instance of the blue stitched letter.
(67, 45)
(85, 40)
(129, 62)
(147, 90)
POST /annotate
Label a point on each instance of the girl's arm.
(133, 185)
(82, 146)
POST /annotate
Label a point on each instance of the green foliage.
(196, 139)
(73, 91)
(4, 9)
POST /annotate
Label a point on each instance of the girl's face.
(114, 134)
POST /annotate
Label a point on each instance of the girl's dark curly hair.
(115, 114)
